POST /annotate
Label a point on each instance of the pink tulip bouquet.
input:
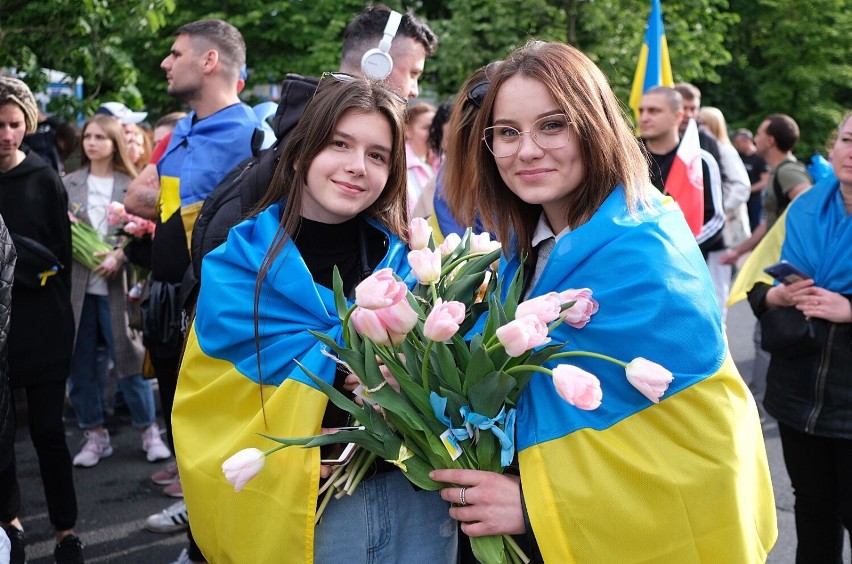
(129, 225)
(439, 380)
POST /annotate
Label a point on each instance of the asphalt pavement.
(117, 495)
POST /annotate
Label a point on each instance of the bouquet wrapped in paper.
(442, 367)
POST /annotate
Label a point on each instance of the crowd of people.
(534, 149)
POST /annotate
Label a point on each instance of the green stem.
(321, 508)
(489, 348)
(446, 269)
(345, 323)
(517, 550)
(527, 367)
(368, 462)
(424, 374)
(590, 354)
(434, 292)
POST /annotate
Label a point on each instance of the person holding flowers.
(337, 202)
(654, 465)
(99, 300)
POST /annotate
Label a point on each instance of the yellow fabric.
(437, 236)
(272, 518)
(660, 486)
(767, 252)
(169, 197)
(188, 215)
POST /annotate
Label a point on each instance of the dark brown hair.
(610, 153)
(784, 130)
(332, 100)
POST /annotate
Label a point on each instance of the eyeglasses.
(550, 132)
(477, 93)
(344, 77)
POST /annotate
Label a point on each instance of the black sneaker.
(69, 551)
(17, 540)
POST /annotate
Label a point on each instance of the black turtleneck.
(324, 245)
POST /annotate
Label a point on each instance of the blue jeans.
(90, 369)
(387, 521)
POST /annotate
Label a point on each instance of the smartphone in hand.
(785, 272)
(338, 454)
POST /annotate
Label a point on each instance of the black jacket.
(33, 202)
(7, 413)
(811, 391)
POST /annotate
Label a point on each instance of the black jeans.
(44, 414)
(820, 471)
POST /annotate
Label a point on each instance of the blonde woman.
(99, 299)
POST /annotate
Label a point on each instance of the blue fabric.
(656, 301)
(200, 153)
(90, 364)
(819, 237)
(290, 304)
(386, 521)
(445, 218)
(90, 371)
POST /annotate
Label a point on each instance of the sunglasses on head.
(477, 93)
(345, 77)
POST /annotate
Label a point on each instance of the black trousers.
(820, 471)
(45, 403)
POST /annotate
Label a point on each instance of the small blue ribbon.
(439, 407)
(474, 420)
(505, 435)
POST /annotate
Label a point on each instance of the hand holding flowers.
(460, 374)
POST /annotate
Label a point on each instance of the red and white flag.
(685, 182)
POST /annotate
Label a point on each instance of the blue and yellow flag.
(219, 405)
(653, 67)
(684, 480)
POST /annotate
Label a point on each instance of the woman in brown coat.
(99, 299)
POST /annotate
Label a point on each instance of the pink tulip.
(546, 308)
(578, 387)
(426, 265)
(579, 314)
(651, 379)
(419, 233)
(449, 245)
(522, 334)
(399, 319)
(367, 324)
(132, 228)
(482, 243)
(379, 290)
(444, 320)
(242, 467)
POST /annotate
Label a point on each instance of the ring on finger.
(462, 502)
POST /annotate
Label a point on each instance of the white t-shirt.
(100, 193)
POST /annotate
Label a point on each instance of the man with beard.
(202, 69)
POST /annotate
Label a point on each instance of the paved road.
(117, 495)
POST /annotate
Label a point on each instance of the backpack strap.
(780, 196)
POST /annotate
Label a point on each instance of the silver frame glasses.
(555, 141)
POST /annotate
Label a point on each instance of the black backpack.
(242, 188)
(780, 196)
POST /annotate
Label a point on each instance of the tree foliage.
(749, 57)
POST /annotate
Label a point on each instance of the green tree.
(86, 38)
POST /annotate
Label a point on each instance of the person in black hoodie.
(41, 336)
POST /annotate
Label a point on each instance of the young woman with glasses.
(338, 199)
(682, 478)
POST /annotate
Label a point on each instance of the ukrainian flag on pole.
(654, 67)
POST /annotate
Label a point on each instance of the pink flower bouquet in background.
(440, 380)
(129, 225)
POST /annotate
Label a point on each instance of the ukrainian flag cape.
(819, 237)
(685, 480)
(218, 408)
(199, 155)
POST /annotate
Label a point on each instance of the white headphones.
(376, 64)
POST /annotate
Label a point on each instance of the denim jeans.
(90, 368)
(387, 521)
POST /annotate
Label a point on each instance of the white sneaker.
(183, 558)
(171, 519)
(154, 447)
(96, 447)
